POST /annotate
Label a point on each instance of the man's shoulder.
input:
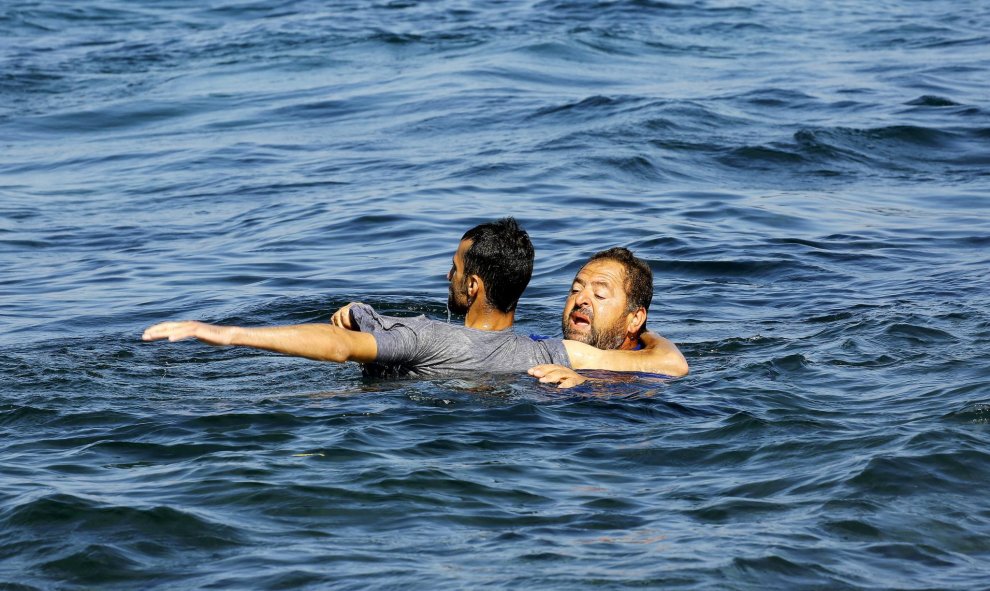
(424, 329)
(368, 319)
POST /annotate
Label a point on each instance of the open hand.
(564, 377)
(189, 329)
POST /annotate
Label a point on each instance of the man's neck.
(488, 319)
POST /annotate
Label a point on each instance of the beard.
(454, 305)
(600, 337)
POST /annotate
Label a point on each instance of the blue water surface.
(808, 181)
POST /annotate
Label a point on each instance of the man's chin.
(574, 334)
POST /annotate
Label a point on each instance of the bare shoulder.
(670, 356)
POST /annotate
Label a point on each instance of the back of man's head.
(639, 276)
(502, 255)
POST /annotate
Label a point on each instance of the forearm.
(319, 342)
(662, 357)
(660, 360)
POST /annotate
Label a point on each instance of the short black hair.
(502, 255)
(639, 276)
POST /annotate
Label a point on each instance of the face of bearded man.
(595, 312)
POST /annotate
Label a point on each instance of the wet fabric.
(422, 347)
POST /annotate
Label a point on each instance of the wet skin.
(596, 310)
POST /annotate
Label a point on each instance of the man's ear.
(474, 287)
(635, 320)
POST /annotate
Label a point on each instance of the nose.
(583, 297)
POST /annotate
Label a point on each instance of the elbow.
(333, 344)
(337, 353)
(678, 365)
(351, 346)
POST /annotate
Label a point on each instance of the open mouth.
(580, 320)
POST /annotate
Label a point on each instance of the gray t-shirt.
(428, 348)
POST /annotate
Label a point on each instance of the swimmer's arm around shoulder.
(320, 342)
(659, 355)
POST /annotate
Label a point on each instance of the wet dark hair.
(502, 255)
(639, 276)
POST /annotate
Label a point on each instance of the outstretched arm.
(320, 342)
(659, 356)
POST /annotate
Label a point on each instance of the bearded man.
(607, 308)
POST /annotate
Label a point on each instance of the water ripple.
(807, 182)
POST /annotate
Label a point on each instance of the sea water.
(808, 180)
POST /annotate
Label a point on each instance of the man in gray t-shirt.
(423, 347)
